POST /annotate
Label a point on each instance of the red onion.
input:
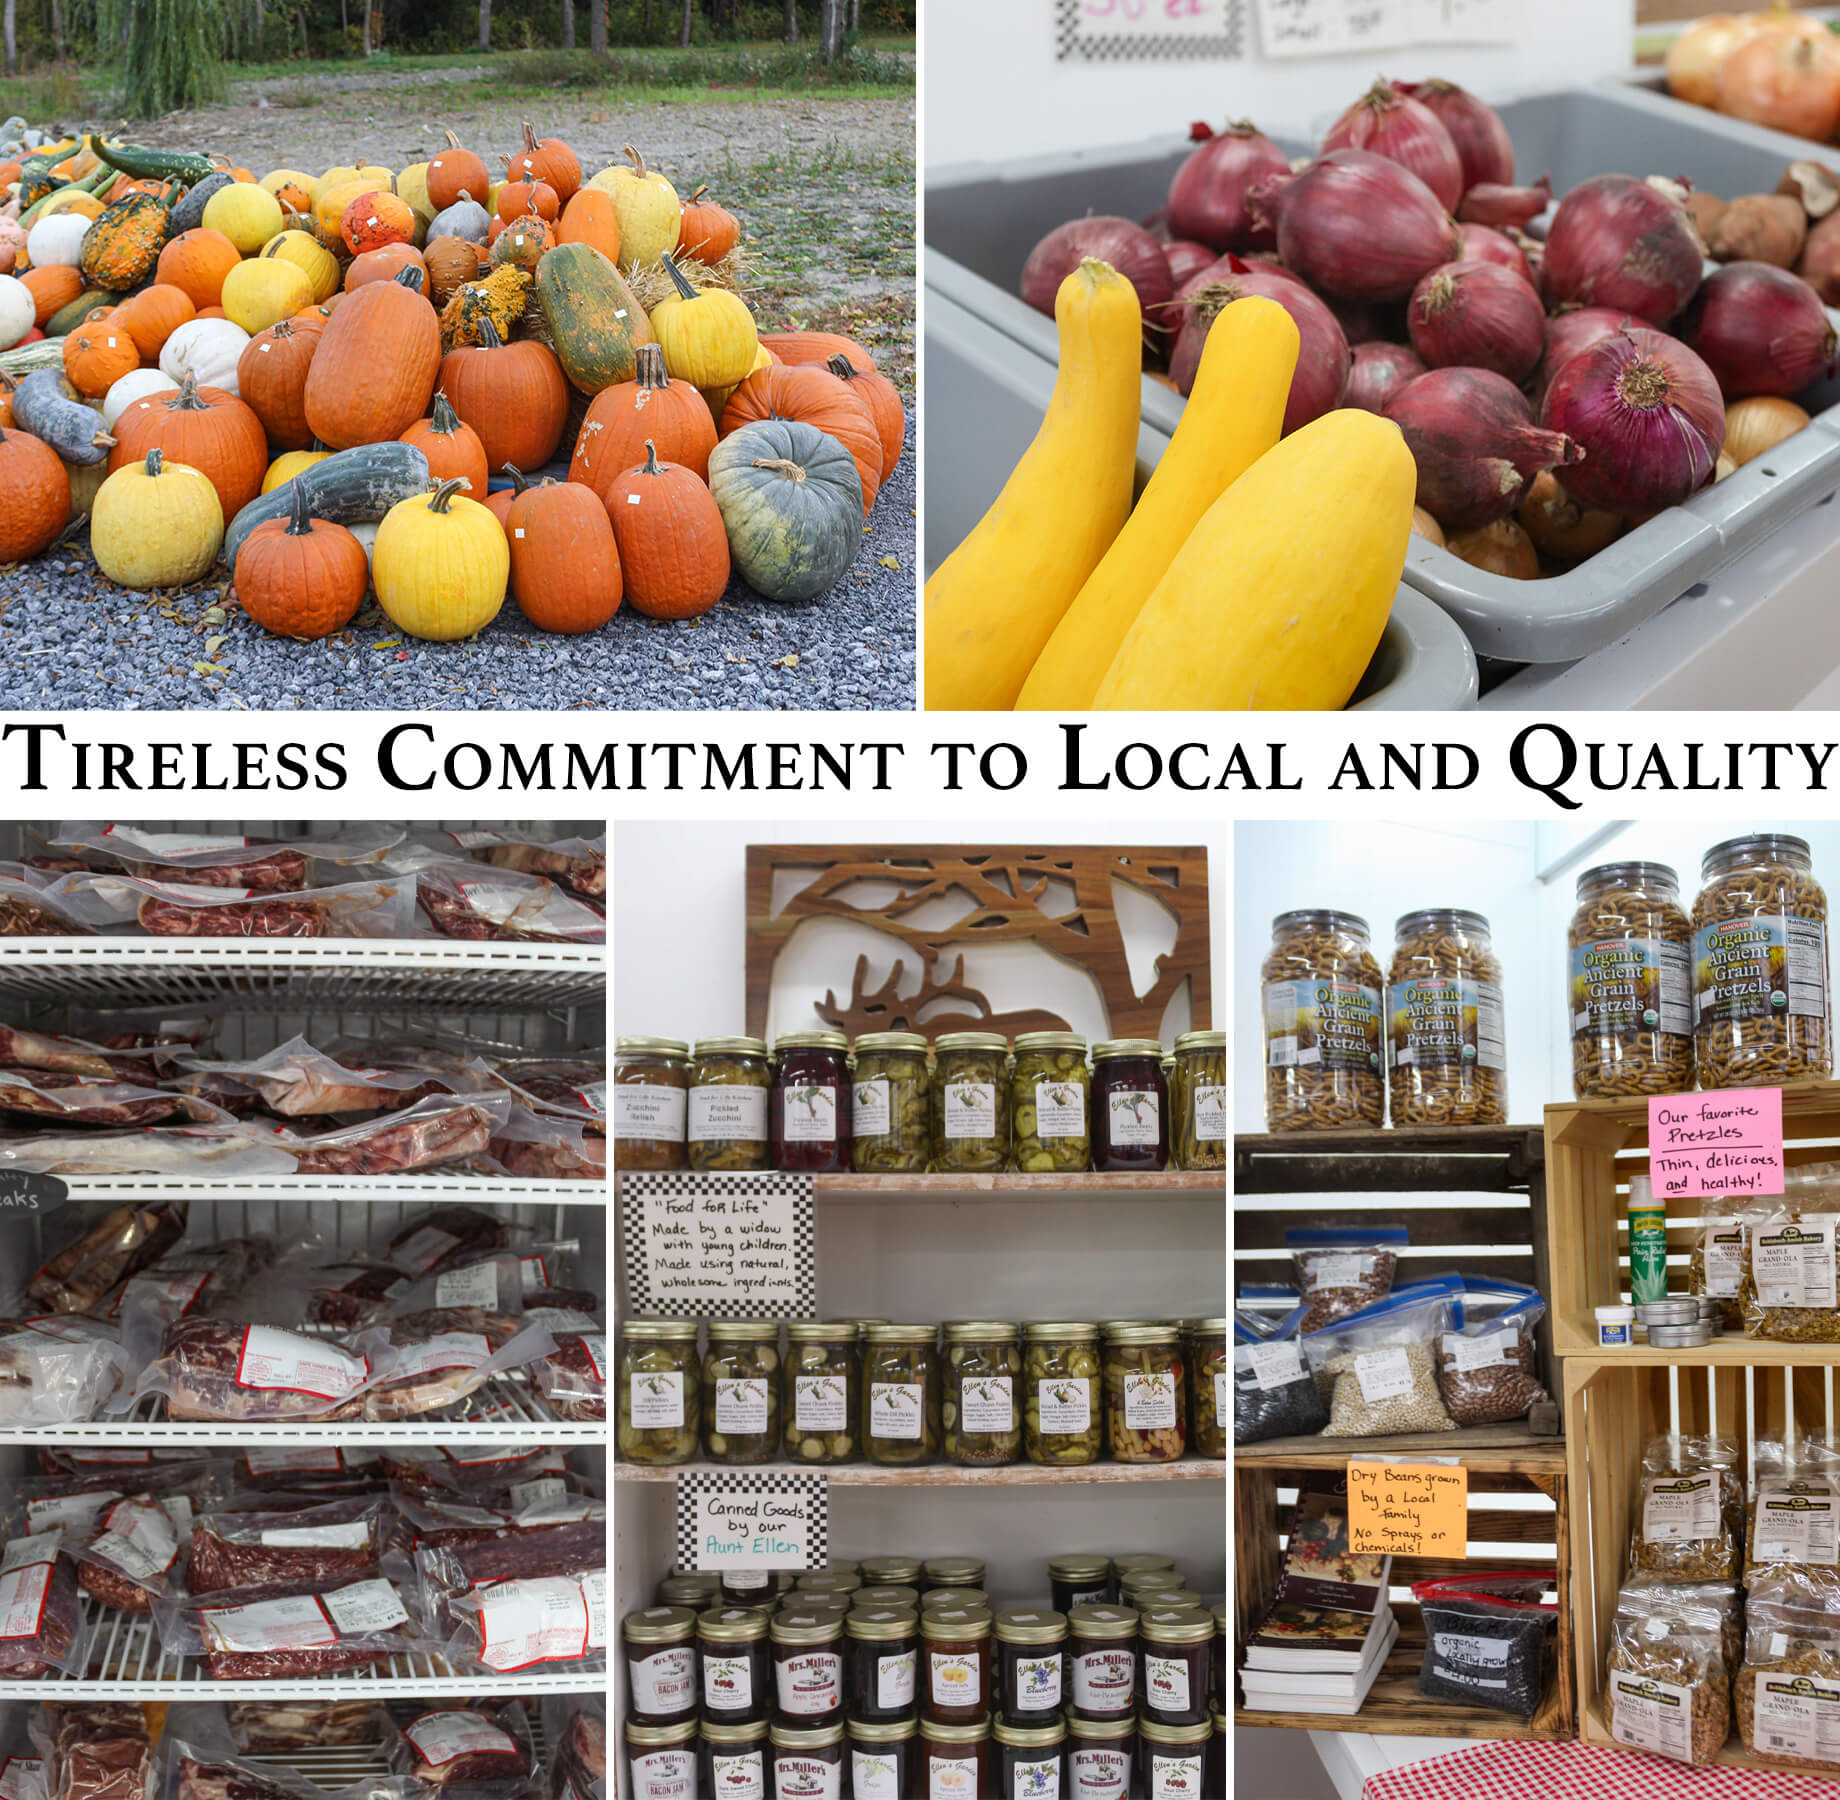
(1482, 243)
(1369, 321)
(1473, 437)
(1392, 124)
(1322, 352)
(1570, 333)
(1130, 249)
(1488, 204)
(1477, 315)
(1379, 372)
(1617, 241)
(1185, 259)
(1760, 330)
(1647, 412)
(1357, 225)
(1483, 146)
(1207, 198)
(1157, 224)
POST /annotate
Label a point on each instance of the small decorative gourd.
(791, 501)
(302, 577)
(155, 524)
(122, 246)
(440, 565)
(673, 548)
(709, 339)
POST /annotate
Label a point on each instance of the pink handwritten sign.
(1724, 1143)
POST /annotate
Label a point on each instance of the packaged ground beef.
(41, 1624)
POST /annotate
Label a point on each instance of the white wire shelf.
(449, 1188)
(335, 1767)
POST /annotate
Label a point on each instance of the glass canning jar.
(1223, 1656)
(1031, 1664)
(833, 1584)
(1210, 1386)
(1171, 1759)
(970, 1102)
(1325, 1006)
(741, 1391)
(807, 1665)
(694, 1591)
(1074, 1580)
(1630, 1001)
(900, 1395)
(651, 1091)
(882, 1758)
(954, 1761)
(1050, 1090)
(1139, 1562)
(754, 1588)
(1130, 1106)
(1062, 1422)
(955, 1664)
(952, 1572)
(1198, 1102)
(1140, 1587)
(737, 1664)
(982, 1370)
(730, 1081)
(1102, 1660)
(1178, 1648)
(732, 1759)
(882, 1645)
(808, 1761)
(809, 1117)
(1214, 1768)
(1102, 1758)
(935, 1598)
(889, 1593)
(660, 1643)
(659, 1404)
(1447, 1055)
(821, 1403)
(891, 1104)
(891, 1571)
(1144, 1392)
(1030, 1759)
(661, 1760)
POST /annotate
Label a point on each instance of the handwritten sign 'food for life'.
(1408, 1509)
(1718, 1143)
(726, 1246)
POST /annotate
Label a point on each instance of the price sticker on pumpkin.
(1408, 1509)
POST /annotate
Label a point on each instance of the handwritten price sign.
(1719, 1143)
(1145, 30)
(1408, 1509)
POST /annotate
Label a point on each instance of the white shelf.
(482, 1190)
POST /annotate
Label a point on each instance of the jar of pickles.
(983, 1368)
(1050, 1089)
(658, 1405)
(651, 1091)
(730, 1081)
(1631, 996)
(822, 1400)
(1210, 1386)
(1061, 1414)
(809, 1116)
(890, 1104)
(970, 1102)
(741, 1386)
(900, 1395)
(1324, 1004)
(1130, 1106)
(1198, 1101)
(1447, 1052)
(1144, 1391)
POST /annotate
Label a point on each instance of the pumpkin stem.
(700, 192)
(488, 335)
(445, 492)
(411, 278)
(841, 366)
(651, 465)
(684, 289)
(519, 482)
(301, 524)
(187, 400)
(790, 470)
(154, 459)
(652, 374)
(443, 420)
(638, 161)
(530, 143)
(453, 143)
(281, 330)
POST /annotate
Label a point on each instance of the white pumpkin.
(366, 534)
(17, 311)
(56, 239)
(464, 219)
(85, 484)
(207, 350)
(131, 387)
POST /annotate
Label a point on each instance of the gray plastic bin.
(982, 223)
(984, 403)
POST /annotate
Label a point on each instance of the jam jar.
(1101, 1758)
(955, 1664)
(1031, 1760)
(1102, 1654)
(1172, 1759)
(1031, 1664)
(1210, 1386)
(807, 1665)
(662, 1760)
(751, 1588)
(1050, 1088)
(1062, 1421)
(741, 1391)
(1178, 1650)
(1145, 1410)
(935, 1598)
(1198, 1102)
(730, 1082)
(807, 1761)
(660, 1664)
(1140, 1562)
(1222, 1657)
(970, 1102)
(810, 1111)
(737, 1664)
(979, 1412)
(731, 1760)
(651, 1092)
(1214, 1772)
(693, 1591)
(835, 1583)
(882, 1757)
(954, 1761)
(951, 1572)
(1130, 1106)
(658, 1406)
(891, 1571)
(822, 1395)
(894, 1593)
(881, 1654)
(900, 1395)
(891, 1104)
(1139, 1587)
(1074, 1580)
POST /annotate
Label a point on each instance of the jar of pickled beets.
(809, 1117)
(1130, 1106)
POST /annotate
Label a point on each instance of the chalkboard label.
(23, 1192)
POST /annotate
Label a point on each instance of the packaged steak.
(130, 1555)
(94, 1750)
(204, 1770)
(220, 1369)
(424, 1136)
(250, 1547)
(450, 1572)
(23, 1778)
(444, 1521)
(24, 1049)
(447, 1236)
(434, 1359)
(74, 1503)
(32, 903)
(108, 1460)
(307, 1466)
(201, 859)
(470, 1470)
(296, 1080)
(578, 1759)
(270, 1727)
(344, 1294)
(575, 1087)
(58, 1369)
(125, 1240)
(530, 1621)
(92, 1100)
(41, 1625)
(198, 1278)
(367, 909)
(485, 1745)
(228, 1149)
(283, 1632)
(573, 1377)
(547, 1147)
(466, 900)
(579, 864)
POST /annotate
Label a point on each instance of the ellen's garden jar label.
(1796, 1522)
(1797, 1715)
(1760, 968)
(1060, 1110)
(1149, 1400)
(869, 1110)
(970, 1109)
(741, 1404)
(727, 1686)
(1165, 1682)
(820, 1403)
(1319, 1025)
(1038, 1780)
(954, 1677)
(1631, 984)
(1136, 1116)
(1175, 1777)
(1439, 1020)
(742, 1777)
(1211, 1112)
(664, 1775)
(875, 1774)
(665, 1681)
(642, 1111)
(987, 1404)
(657, 1401)
(894, 1679)
(950, 1777)
(1794, 1264)
(810, 1682)
(1646, 1714)
(1038, 1683)
(1066, 1404)
(1099, 1773)
(896, 1409)
(726, 1114)
(809, 1113)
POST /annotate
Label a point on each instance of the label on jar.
(1174, 1777)
(1211, 1114)
(742, 1776)
(640, 1111)
(954, 1677)
(1037, 1780)
(987, 1405)
(1038, 1682)
(1149, 1400)
(745, 1581)
(1680, 1509)
(1134, 1116)
(799, 1776)
(664, 1775)
(894, 1680)
(1631, 984)
(1439, 1020)
(1060, 1109)
(1794, 1264)
(896, 1409)
(1796, 1522)
(808, 1113)
(820, 1403)
(1724, 1257)
(741, 1404)
(1165, 1682)
(665, 1681)
(1383, 1375)
(1646, 1714)
(870, 1112)
(1270, 1365)
(1324, 1024)
(810, 1681)
(1798, 1715)
(1223, 1392)
(728, 1682)
(1100, 1773)
(875, 1773)
(728, 1114)
(970, 1109)
(1066, 1404)
(1486, 1352)
(1103, 1678)
(1760, 969)
(657, 1401)
(950, 1777)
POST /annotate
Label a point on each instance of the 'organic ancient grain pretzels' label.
(1441, 1020)
(1758, 968)
(1322, 1024)
(1628, 984)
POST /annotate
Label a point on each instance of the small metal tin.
(1709, 1311)
(1679, 1337)
(1683, 1311)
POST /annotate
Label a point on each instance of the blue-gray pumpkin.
(792, 504)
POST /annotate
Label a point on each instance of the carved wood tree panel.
(1011, 896)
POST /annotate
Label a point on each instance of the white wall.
(993, 89)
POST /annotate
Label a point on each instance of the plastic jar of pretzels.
(1761, 993)
(1447, 1052)
(1631, 994)
(1324, 1013)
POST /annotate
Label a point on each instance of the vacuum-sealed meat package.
(201, 1278)
(574, 1086)
(470, 1471)
(434, 1359)
(573, 1377)
(443, 1521)
(578, 1760)
(129, 1558)
(485, 1745)
(346, 1294)
(200, 859)
(448, 1573)
(425, 1136)
(270, 1727)
(249, 1547)
(94, 1750)
(282, 1632)
(58, 1369)
(530, 1622)
(367, 909)
(548, 1147)
(296, 1080)
(466, 900)
(221, 1370)
(32, 903)
(125, 1240)
(95, 1100)
(447, 1236)
(579, 864)
(202, 1771)
(74, 1503)
(41, 1625)
(21, 1048)
(229, 1149)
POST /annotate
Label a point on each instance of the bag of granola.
(1688, 1523)
(1666, 1688)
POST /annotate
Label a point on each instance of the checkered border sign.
(636, 1189)
(1074, 39)
(692, 1484)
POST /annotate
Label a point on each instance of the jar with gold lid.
(1031, 1659)
(882, 1757)
(836, 1582)
(891, 1571)
(660, 1645)
(661, 1760)
(822, 1401)
(891, 1107)
(1145, 1399)
(1102, 1659)
(808, 1761)
(741, 1391)
(1198, 1102)
(900, 1395)
(1062, 1420)
(955, 1670)
(1171, 1759)
(881, 1657)
(1050, 1093)
(971, 1103)
(952, 1571)
(732, 1759)
(737, 1664)
(893, 1593)
(1130, 1106)
(731, 1079)
(1076, 1579)
(1210, 1385)
(954, 1760)
(1102, 1758)
(809, 1118)
(1135, 1562)
(651, 1092)
(658, 1400)
(807, 1665)
(693, 1591)
(1177, 1645)
(1030, 1759)
(983, 1368)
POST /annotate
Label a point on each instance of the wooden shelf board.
(1594, 1728)
(1477, 1139)
(1729, 1350)
(1208, 1183)
(1511, 1449)
(1190, 1468)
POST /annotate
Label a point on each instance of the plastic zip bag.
(1486, 1366)
(1275, 1394)
(1342, 1270)
(41, 1625)
(1488, 1639)
(58, 1370)
(1382, 1364)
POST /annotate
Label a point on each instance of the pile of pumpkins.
(313, 378)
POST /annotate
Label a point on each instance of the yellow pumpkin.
(263, 291)
(412, 186)
(329, 205)
(294, 188)
(647, 206)
(246, 214)
(709, 339)
(310, 256)
(156, 524)
(72, 201)
(289, 464)
(371, 174)
(440, 565)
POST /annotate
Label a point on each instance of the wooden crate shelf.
(873, 1475)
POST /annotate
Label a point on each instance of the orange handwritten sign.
(1408, 1509)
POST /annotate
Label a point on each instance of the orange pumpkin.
(34, 496)
(375, 219)
(550, 160)
(451, 263)
(516, 198)
(673, 548)
(453, 449)
(565, 565)
(589, 218)
(271, 378)
(52, 289)
(815, 396)
(97, 356)
(620, 419)
(294, 199)
(374, 371)
(382, 264)
(885, 407)
(8, 383)
(196, 263)
(457, 174)
(708, 231)
(499, 504)
(153, 315)
(300, 576)
(205, 428)
(514, 395)
(815, 347)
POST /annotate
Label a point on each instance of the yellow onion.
(1754, 426)
(1423, 525)
(1502, 548)
(1693, 58)
(1559, 526)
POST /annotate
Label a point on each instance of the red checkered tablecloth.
(1522, 1771)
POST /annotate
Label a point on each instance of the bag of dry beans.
(1487, 1363)
(1381, 1363)
(1339, 1270)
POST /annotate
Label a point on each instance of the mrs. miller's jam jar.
(1130, 1106)
(810, 1111)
